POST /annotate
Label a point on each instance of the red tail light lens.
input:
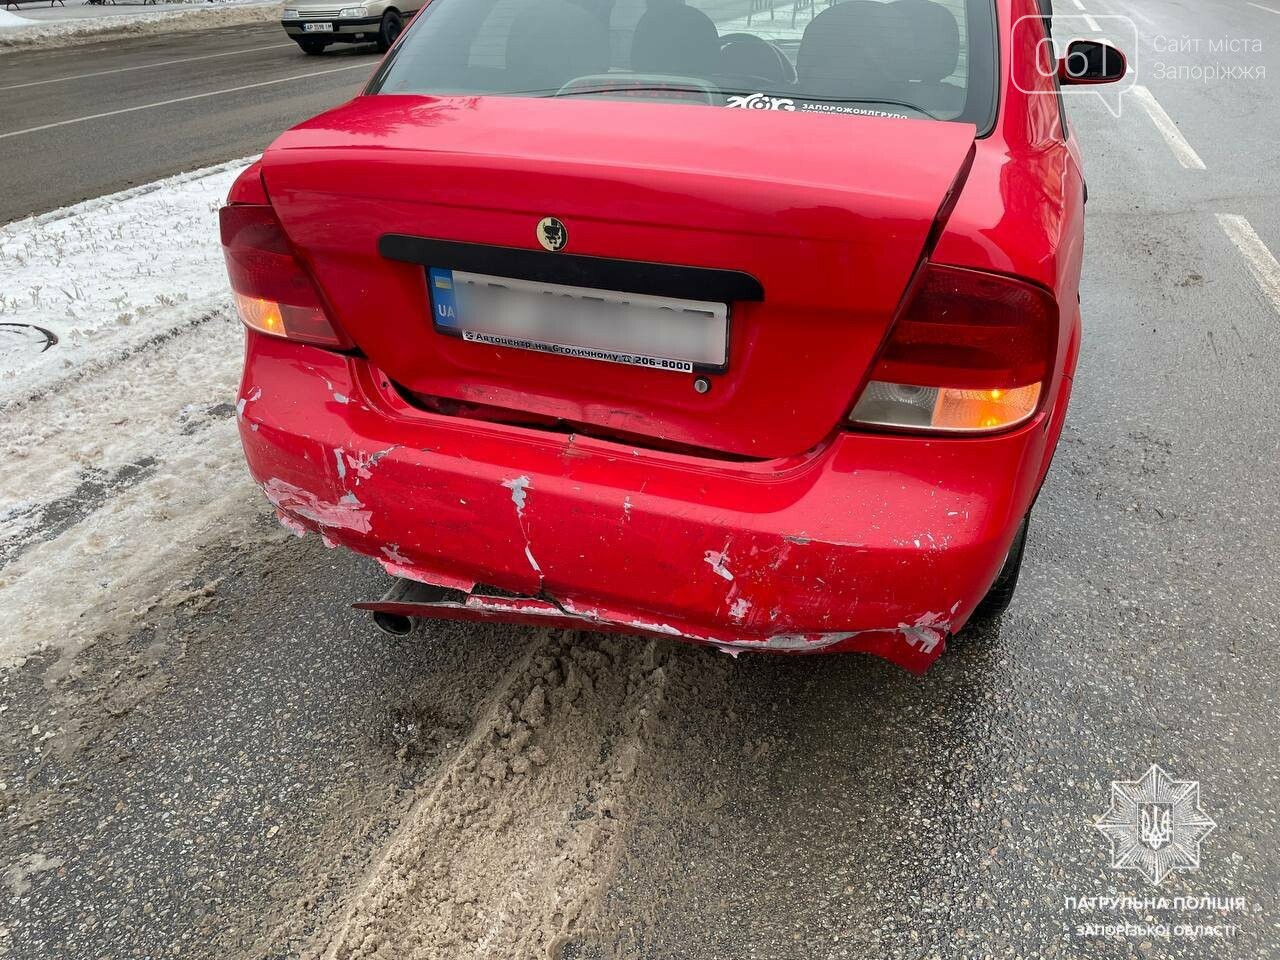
(972, 352)
(272, 291)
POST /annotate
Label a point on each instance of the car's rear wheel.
(389, 30)
(996, 602)
(312, 46)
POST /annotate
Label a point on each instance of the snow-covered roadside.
(115, 487)
(110, 274)
(119, 448)
(85, 25)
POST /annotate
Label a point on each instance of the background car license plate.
(317, 28)
(661, 333)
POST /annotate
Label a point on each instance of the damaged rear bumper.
(869, 543)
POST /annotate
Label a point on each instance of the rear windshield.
(909, 58)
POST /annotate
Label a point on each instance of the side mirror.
(1091, 61)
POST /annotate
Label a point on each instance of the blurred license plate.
(317, 28)
(661, 333)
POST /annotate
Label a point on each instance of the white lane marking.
(1079, 5)
(1091, 23)
(1261, 262)
(1261, 7)
(187, 99)
(1189, 159)
(143, 66)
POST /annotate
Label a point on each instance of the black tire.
(312, 46)
(388, 30)
(998, 598)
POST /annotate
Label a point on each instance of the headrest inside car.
(838, 52)
(922, 39)
(676, 39)
(853, 48)
(552, 42)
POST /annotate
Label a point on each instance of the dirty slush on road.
(492, 861)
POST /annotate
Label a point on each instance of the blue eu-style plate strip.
(444, 304)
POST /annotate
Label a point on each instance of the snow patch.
(170, 405)
(46, 27)
(112, 275)
(135, 287)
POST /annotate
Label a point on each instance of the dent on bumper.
(872, 543)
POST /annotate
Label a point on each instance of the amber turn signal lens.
(260, 314)
(949, 409)
(984, 409)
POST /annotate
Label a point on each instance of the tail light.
(972, 352)
(272, 291)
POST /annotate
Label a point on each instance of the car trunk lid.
(828, 216)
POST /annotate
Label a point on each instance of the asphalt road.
(130, 110)
(244, 768)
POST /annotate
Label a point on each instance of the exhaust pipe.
(396, 624)
(389, 613)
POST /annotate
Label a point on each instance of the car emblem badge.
(552, 234)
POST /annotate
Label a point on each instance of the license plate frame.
(317, 28)
(705, 349)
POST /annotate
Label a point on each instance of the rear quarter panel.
(1021, 211)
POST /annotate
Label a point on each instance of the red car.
(743, 323)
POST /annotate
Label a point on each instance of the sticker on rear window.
(761, 101)
(847, 110)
